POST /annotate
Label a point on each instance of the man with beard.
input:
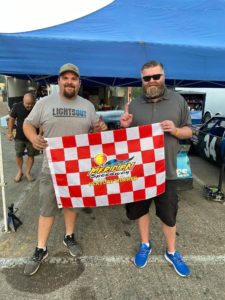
(159, 105)
(59, 114)
(19, 112)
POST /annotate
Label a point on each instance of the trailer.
(16, 88)
(212, 101)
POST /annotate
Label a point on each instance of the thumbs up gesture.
(126, 118)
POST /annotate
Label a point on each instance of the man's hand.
(168, 126)
(180, 133)
(39, 142)
(11, 123)
(10, 136)
(100, 125)
(126, 118)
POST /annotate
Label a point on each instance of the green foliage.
(136, 91)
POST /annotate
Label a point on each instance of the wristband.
(177, 132)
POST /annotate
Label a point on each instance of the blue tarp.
(111, 44)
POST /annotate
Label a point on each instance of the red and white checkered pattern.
(71, 158)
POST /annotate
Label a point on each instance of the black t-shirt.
(19, 112)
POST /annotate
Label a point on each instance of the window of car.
(218, 129)
(209, 125)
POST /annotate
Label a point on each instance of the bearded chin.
(69, 95)
(154, 91)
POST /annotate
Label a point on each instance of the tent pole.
(2, 185)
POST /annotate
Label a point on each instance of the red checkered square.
(61, 179)
(123, 156)
(100, 190)
(139, 195)
(84, 178)
(134, 146)
(148, 156)
(120, 135)
(108, 149)
(95, 138)
(69, 141)
(138, 171)
(114, 199)
(83, 152)
(89, 201)
(126, 186)
(71, 166)
(161, 188)
(145, 131)
(160, 165)
(57, 155)
(158, 141)
(150, 181)
(65, 202)
(75, 191)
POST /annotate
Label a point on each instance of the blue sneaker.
(141, 258)
(179, 265)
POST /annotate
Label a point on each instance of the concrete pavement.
(108, 240)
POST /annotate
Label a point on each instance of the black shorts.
(166, 205)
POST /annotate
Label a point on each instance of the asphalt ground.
(109, 240)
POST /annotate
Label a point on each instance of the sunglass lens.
(147, 78)
(154, 77)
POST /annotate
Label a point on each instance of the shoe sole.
(140, 267)
(35, 271)
(71, 253)
(171, 263)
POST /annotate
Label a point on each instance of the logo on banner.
(113, 167)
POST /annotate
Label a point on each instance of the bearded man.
(159, 105)
(59, 114)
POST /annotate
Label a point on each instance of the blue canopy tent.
(111, 44)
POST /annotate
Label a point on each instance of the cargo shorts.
(21, 146)
(47, 199)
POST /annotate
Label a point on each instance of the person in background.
(59, 114)
(17, 116)
(159, 105)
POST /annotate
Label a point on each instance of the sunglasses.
(154, 77)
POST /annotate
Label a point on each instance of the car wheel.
(207, 117)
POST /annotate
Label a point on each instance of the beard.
(28, 107)
(69, 94)
(154, 91)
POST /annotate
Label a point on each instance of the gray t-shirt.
(172, 106)
(61, 117)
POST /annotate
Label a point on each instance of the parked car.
(111, 118)
(208, 140)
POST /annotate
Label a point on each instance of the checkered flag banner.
(107, 168)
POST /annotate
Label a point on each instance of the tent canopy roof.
(111, 44)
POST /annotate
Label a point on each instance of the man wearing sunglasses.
(159, 105)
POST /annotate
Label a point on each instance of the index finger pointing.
(126, 108)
